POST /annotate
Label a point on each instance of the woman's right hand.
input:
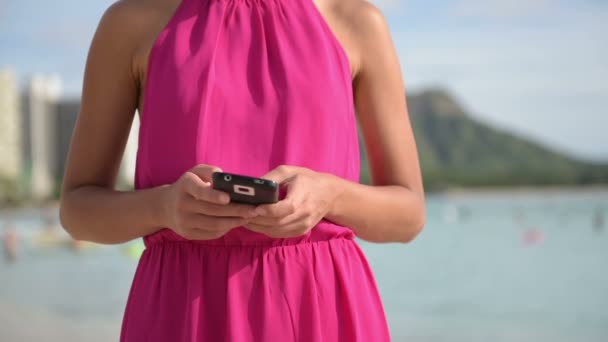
(196, 211)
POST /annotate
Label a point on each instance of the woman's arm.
(393, 208)
(90, 208)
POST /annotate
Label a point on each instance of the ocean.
(496, 266)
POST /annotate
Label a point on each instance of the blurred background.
(508, 102)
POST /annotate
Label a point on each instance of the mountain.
(457, 150)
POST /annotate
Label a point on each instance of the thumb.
(279, 174)
(205, 172)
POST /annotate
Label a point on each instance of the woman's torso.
(248, 85)
(155, 14)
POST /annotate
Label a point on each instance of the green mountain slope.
(457, 150)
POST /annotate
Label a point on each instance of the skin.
(390, 210)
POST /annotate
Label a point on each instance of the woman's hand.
(196, 211)
(310, 196)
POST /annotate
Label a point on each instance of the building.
(10, 134)
(36, 128)
(127, 167)
(40, 164)
(67, 114)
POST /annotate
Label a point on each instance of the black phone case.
(245, 189)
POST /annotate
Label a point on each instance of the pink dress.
(248, 85)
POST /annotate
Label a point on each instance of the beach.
(19, 323)
(489, 266)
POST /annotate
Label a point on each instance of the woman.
(263, 88)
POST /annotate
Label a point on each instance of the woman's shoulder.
(136, 16)
(360, 15)
(364, 24)
(131, 26)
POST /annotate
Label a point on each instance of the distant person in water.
(533, 237)
(598, 220)
(9, 240)
(76, 245)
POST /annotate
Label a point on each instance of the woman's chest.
(304, 48)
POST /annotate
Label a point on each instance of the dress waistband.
(242, 237)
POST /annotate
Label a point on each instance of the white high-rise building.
(10, 126)
(40, 127)
(127, 166)
(67, 114)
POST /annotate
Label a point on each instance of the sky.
(538, 68)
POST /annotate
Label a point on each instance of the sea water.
(489, 266)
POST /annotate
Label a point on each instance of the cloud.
(545, 81)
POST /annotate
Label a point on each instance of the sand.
(23, 324)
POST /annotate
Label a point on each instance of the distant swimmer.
(451, 214)
(9, 240)
(598, 220)
(50, 234)
(77, 245)
(519, 216)
(533, 237)
(465, 213)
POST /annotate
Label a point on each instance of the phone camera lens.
(227, 178)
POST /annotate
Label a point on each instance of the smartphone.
(245, 189)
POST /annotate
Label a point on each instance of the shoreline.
(582, 189)
(448, 191)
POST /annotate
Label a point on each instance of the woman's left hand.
(310, 196)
